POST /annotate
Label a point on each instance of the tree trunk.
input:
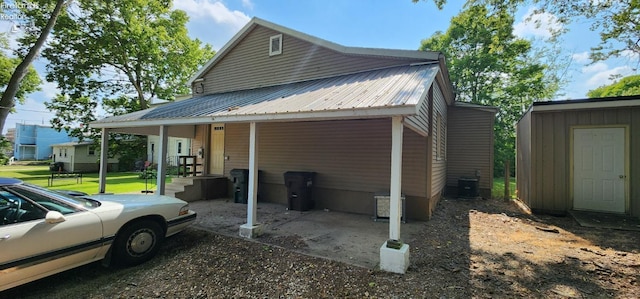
(8, 97)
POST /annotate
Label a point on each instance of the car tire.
(137, 243)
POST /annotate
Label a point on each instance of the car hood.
(117, 209)
(136, 199)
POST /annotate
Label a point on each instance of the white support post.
(104, 146)
(251, 229)
(162, 159)
(394, 255)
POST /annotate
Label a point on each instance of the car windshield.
(66, 197)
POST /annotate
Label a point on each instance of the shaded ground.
(470, 249)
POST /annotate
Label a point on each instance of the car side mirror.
(54, 217)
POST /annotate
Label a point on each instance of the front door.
(599, 169)
(217, 150)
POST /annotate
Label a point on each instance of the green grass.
(498, 188)
(117, 182)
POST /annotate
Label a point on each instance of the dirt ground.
(470, 249)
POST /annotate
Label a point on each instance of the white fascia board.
(378, 112)
(586, 105)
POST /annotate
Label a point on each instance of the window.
(179, 147)
(92, 150)
(60, 154)
(65, 152)
(275, 45)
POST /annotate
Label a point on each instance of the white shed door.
(599, 169)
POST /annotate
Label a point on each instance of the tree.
(23, 79)
(118, 56)
(626, 86)
(134, 48)
(488, 65)
(617, 21)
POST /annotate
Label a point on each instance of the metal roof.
(376, 93)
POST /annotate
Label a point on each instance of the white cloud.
(49, 90)
(247, 3)
(215, 10)
(603, 77)
(596, 67)
(537, 24)
(581, 57)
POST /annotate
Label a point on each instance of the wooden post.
(507, 195)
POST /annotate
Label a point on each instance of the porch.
(350, 238)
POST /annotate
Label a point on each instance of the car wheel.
(137, 242)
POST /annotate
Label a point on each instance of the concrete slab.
(345, 237)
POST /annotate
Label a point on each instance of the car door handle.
(5, 237)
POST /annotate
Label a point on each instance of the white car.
(43, 232)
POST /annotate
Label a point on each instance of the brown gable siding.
(248, 65)
(550, 182)
(439, 165)
(470, 146)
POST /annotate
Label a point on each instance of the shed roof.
(377, 93)
(73, 143)
(607, 102)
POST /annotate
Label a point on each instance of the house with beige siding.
(80, 156)
(364, 121)
(580, 155)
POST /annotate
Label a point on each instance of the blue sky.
(398, 24)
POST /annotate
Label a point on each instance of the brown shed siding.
(523, 159)
(249, 65)
(470, 147)
(439, 165)
(550, 183)
(351, 158)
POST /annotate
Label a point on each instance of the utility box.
(240, 185)
(382, 207)
(468, 188)
(299, 188)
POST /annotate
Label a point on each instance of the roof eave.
(375, 112)
(586, 105)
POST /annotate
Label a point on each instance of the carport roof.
(377, 93)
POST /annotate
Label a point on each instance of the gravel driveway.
(470, 249)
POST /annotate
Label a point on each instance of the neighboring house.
(363, 120)
(33, 142)
(80, 157)
(580, 155)
(176, 148)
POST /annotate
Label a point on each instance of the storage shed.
(580, 155)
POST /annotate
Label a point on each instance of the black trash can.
(299, 186)
(468, 188)
(240, 185)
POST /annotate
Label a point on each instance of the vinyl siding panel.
(470, 146)
(421, 120)
(248, 65)
(523, 159)
(550, 185)
(439, 164)
(347, 156)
